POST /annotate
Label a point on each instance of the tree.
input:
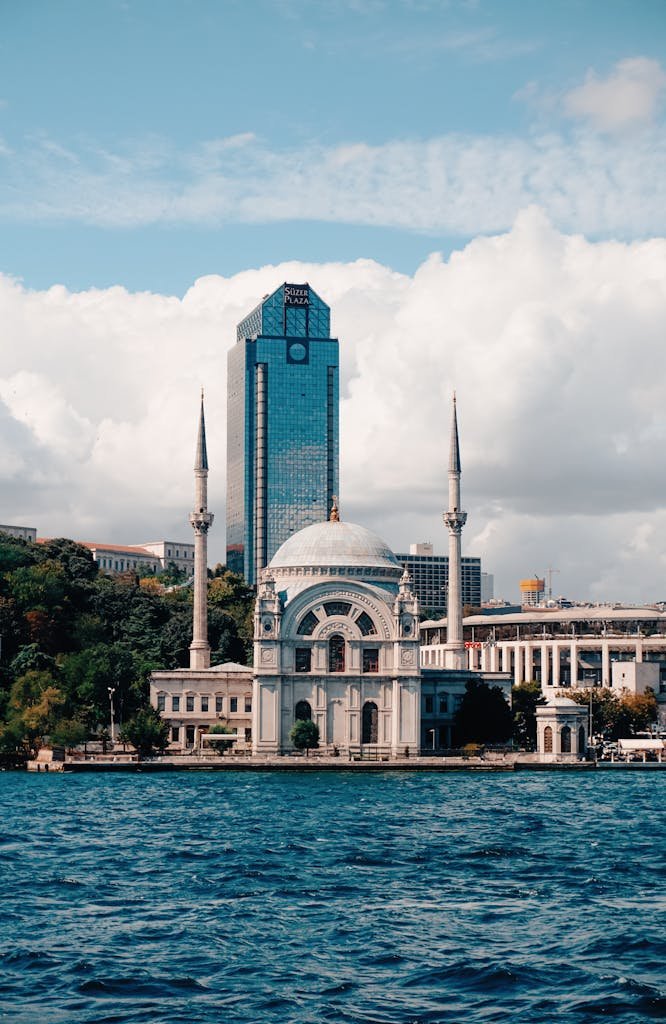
(484, 716)
(305, 735)
(146, 731)
(221, 730)
(524, 701)
(618, 715)
(69, 733)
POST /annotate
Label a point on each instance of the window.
(303, 659)
(204, 703)
(365, 624)
(565, 740)
(443, 703)
(302, 711)
(161, 702)
(336, 653)
(175, 703)
(248, 734)
(308, 624)
(248, 705)
(175, 734)
(337, 607)
(370, 722)
(428, 705)
(233, 704)
(189, 736)
(371, 659)
(581, 740)
(218, 705)
(189, 703)
(548, 740)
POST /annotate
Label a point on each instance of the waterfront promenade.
(498, 763)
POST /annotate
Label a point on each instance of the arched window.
(548, 740)
(337, 607)
(370, 722)
(365, 624)
(308, 624)
(581, 740)
(336, 653)
(565, 740)
(303, 711)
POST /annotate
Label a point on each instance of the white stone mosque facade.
(336, 640)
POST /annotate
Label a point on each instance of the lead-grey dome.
(334, 544)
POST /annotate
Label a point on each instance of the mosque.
(336, 640)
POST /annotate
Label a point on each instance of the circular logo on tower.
(297, 352)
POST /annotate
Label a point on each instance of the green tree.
(305, 735)
(146, 731)
(524, 701)
(617, 716)
(221, 730)
(483, 716)
(69, 733)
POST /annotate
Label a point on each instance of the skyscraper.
(282, 425)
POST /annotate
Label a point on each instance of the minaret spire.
(201, 458)
(454, 519)
(201, 521)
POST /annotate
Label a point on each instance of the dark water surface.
(381, 899)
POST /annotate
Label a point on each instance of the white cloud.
(454, 184)
(554, 344)
(628, 97)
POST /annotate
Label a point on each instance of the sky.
(477, 188)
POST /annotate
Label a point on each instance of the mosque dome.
(335, 544)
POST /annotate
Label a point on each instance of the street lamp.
(112, 690)
(433, 737)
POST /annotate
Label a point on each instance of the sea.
(384, 898)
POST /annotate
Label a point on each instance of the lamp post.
(432, 731)
(112, 690)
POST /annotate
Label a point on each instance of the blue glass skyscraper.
(282, 425)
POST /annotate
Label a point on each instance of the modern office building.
(282, 425)
(430, 578)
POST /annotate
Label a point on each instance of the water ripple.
(345, 899)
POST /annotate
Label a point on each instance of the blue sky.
(149, 142)
(165, 163)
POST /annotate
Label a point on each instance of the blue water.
(377, 899)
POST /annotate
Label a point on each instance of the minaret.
(201, 520)
(454, 520)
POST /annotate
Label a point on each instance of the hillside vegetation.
(69, 632)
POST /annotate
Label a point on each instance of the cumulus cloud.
(458, 184)
(553, 343)
(628, 97)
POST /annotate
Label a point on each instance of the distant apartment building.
(430, 578)
(24, 532)
(177, 552)
(154, 557)
(487, 587)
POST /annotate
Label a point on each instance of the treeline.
(69, 632)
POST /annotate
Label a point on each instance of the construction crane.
(549, 573)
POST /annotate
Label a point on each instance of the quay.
(319, 764)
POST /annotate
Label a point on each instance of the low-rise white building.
(191, 701)
(561, 730)
(23, 532)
